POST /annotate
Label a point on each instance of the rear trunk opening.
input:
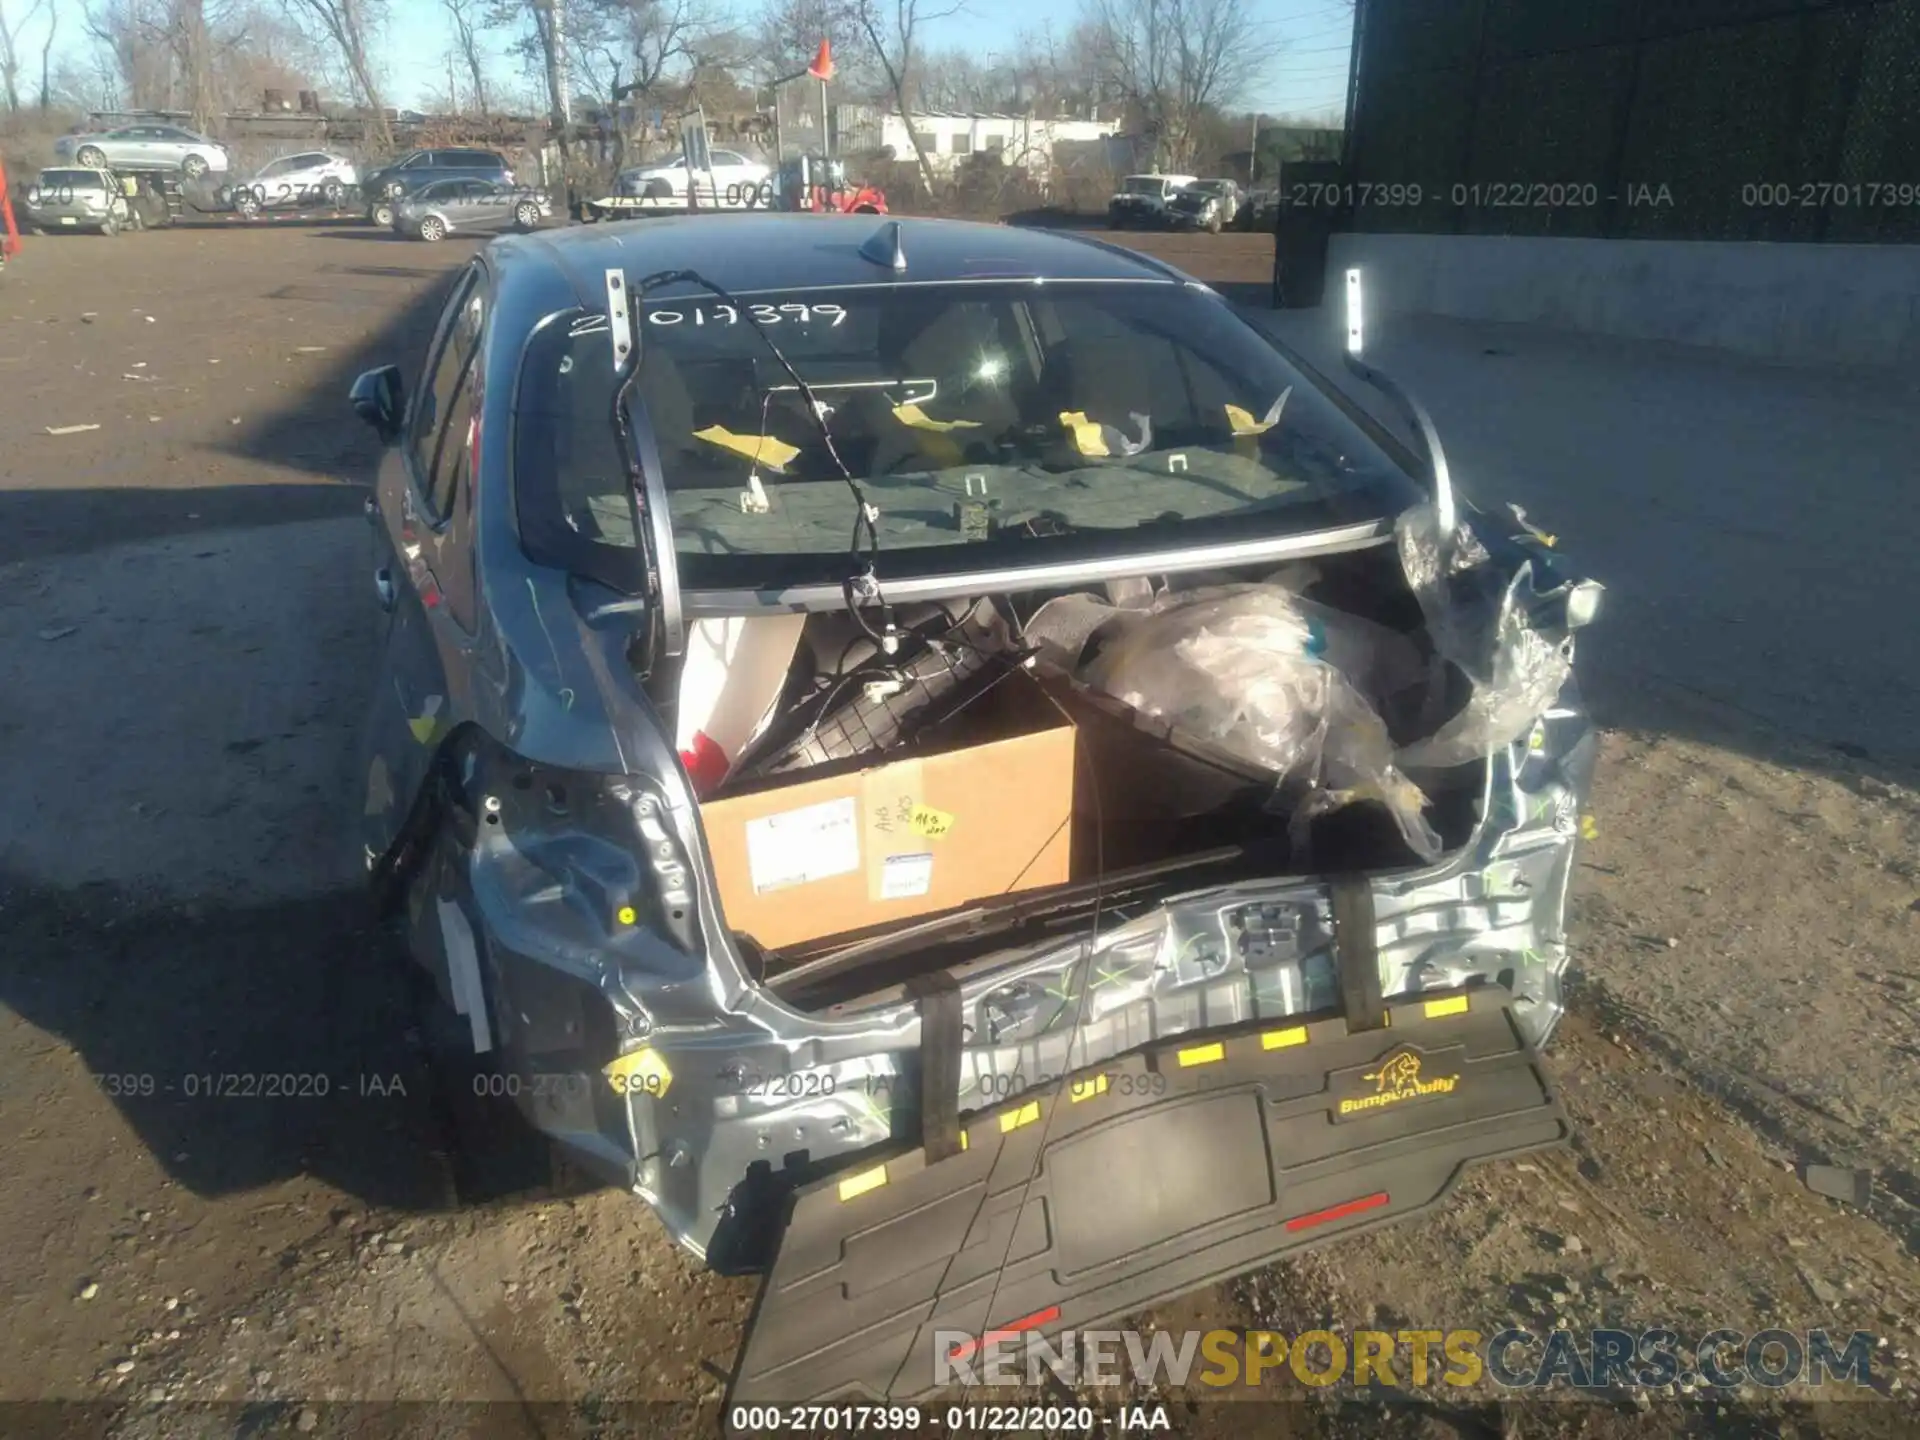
(1161, 802)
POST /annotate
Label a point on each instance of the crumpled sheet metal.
(1263, 951)
(1255, 951)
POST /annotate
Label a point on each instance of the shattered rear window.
(981, 420)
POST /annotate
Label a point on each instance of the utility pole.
(1253, 151)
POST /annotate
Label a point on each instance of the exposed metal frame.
(1172, 561)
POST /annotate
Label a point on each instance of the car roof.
(743, 253)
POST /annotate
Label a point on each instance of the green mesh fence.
(1774, 120)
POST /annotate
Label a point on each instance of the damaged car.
(1142, 200)
(947, 763)
(1210, 205)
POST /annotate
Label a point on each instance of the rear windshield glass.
(1020, 421)
(71, 180)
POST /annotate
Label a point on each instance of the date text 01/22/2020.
(252, 1085)
(1474, 195)
(1062, 1420)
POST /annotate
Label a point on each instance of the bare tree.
(74, 85)
(46, 56)
(1175, 61)
(550, 33)
(10, 32)
(257, 48)
(790, 36)
(545, 36)
(204, 56)
(466, 15)
(649, 40)
(664, 50)
(348, 27)
(119, 29)
(893, 28)
(1046, 76)
(184, 27)
(954, 80)
(1060, 74)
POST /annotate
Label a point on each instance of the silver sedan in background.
(145, 147)
(438, 210)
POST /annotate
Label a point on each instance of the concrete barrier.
(1823, 304)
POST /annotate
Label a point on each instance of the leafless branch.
(466, 15)
(10, 31)
(1175, 62)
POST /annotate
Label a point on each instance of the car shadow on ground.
(379, 233)
(1047, 218)
(225, 220)
(243, 1042)
(382, 233)
(243, 1045)
(41, 524)
(313, 430)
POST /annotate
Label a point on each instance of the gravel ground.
(184, 632)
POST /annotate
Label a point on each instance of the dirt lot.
(184, 630)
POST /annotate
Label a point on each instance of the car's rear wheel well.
(435, 802)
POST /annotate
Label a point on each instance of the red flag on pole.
(822, 67)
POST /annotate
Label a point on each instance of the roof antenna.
(883, 247)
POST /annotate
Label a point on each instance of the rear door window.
(436, 400)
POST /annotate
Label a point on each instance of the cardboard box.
(916, 835)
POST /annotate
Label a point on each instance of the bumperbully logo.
(1398, 1079)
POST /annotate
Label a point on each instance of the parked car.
(447, 207)
(145, 147)
(419, 168)
(313, 177)
(71, 197)
(734, 183)
(1205, 205)
(1261, 209)
(1142, 199)
(1156, 822)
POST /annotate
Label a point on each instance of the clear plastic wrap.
(1270, 678)
(1480, 625)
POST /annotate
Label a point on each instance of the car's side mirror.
(376, 398)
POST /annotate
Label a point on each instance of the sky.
(1308, 78)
